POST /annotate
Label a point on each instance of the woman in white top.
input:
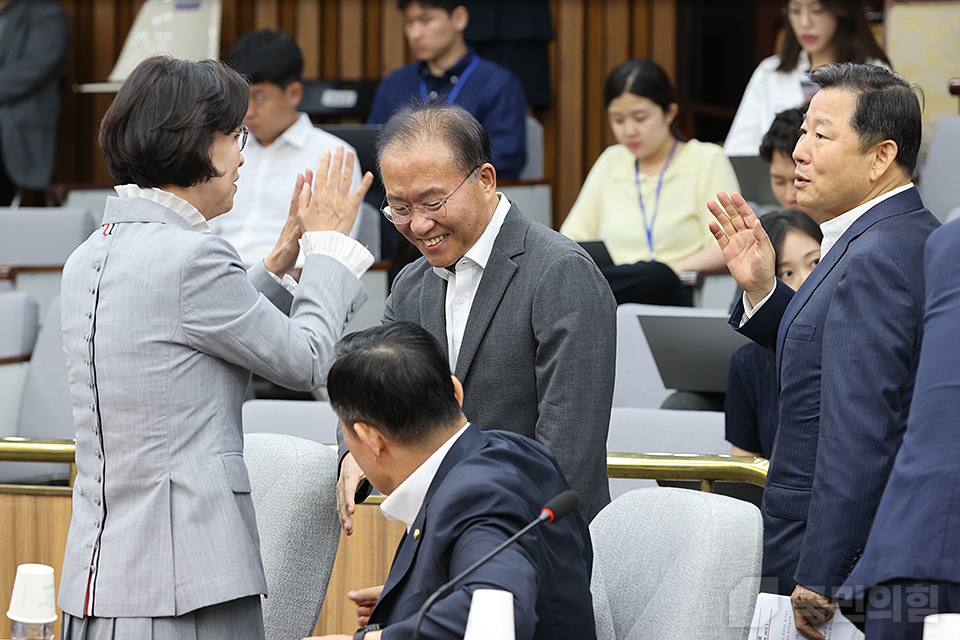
(644, 196)
(817, 32)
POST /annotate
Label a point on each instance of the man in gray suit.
(528, 321)
(33, 42)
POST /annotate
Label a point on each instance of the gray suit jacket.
(32, 48)
(539, 349)
(162, 327)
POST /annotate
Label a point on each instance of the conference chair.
(293, 485)
(19, 319)
(533, 167)
(643, 430)
(311, 420)
(637, 382)
(938, 183)
(671, 563)
(46, 409)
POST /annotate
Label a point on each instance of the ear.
(487, 176)
(294, 93)
(460, 17)
(884, 156)
(371, 438)
(672, 112)
(457, 390)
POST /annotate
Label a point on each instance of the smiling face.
(215, 196)
(426, 171)
(814, 27)
(797, 257)
(832, 175)
(641, 125)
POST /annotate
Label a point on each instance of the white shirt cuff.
(748, 311)
(287, 282)
(344, 249)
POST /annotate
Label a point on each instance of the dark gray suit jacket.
(32, 48)
(539, 350)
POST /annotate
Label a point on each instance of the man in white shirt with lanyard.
(527, 319)
(284, 143)
(848, 341)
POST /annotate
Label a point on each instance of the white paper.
(773, 620)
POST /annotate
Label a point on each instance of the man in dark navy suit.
(460, 491)
(912, 557)
(848, 341)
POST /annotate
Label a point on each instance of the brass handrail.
(657, 466)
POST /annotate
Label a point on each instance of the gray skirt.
(239, 619)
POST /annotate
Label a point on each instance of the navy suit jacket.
(847, 347)
(916, 534)
(488, 487)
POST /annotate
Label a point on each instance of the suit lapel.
(493, 284)
(908, 200)
(433, 297)
(471, 441)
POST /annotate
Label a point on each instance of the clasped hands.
(327, 206)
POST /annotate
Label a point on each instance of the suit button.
(99, 478)
(96, 266)
(97, 453)
(87, 337)
(93, 289)
(96, 501)
(96, 524)
(89, 314)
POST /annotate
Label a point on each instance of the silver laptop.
(691, 346)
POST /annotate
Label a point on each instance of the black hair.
(446, 5)
(646, 79)
(888, 107)
(783, 133)
(778, 223)
(435, 121)
(853, 40)
(268, 55)
(159, 129)
(396, 378)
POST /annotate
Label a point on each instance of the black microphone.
(558, 507)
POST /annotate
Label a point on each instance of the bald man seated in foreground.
(459, 491)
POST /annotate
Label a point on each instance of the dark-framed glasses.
(430, 209)
(242, 134)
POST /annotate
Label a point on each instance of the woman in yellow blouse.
(646, 196)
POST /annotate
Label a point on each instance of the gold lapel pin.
(416, 534)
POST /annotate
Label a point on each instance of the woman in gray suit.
(162, 326)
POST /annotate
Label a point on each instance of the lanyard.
(456, 89)
(656, 209)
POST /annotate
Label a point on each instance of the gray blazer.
(33, 45)
(162, 326)
(539, 349)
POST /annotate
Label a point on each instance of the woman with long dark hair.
(816, 32)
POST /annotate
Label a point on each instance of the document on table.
(773, 620)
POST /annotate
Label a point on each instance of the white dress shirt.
(832, 230)
(406, 500)
(463, 283)
(266, 183)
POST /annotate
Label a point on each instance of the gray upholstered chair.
(673, 563)
(313, 420)
(19, 320)
(46, 409)
(938, 184)
(293, 485)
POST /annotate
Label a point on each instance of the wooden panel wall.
(364, 38)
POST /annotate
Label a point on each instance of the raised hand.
(746, 248)
(283, 256)
(330, 206)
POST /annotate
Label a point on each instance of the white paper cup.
(34, 595)
(491, 616)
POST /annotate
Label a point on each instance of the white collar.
(296, 134)
(483, 247)
(407, 499)
(166, 199)
(835, 227)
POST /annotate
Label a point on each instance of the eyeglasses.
(430, 209)
(242, 134)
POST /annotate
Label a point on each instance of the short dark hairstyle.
(643, 78)
(888, 107)
(268, 55)
(446, 5)
(435, 121)
(778, 223)
(396, 378)
(159, 129)
(853, 40)
(783, 133)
